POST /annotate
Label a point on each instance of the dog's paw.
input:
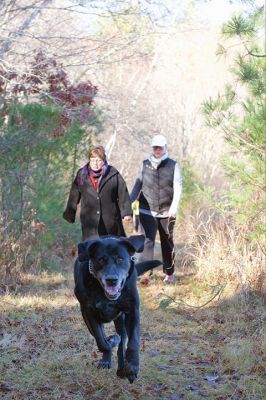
(129, 371)
(132, 377)
(114, 340)
(121, 373)
(103, 364)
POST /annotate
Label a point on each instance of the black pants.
(165, 226)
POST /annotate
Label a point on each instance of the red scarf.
(96, 176)
(95, 182)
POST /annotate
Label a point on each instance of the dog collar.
(90, 265)
(132, 265)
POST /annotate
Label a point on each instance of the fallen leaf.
(153, 353)
(211, 378)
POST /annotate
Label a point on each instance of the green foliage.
(238, 25)
(251, 73)
(189, 180)
(215, 110)
(27, 132)
(194, 193)
(165, 303)
(241, 116)
(33, 161)
(38, 157)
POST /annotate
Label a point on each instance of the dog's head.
(109, 260)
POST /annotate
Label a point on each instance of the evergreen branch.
(251, 181)
(250, 53)
(256, 55)
(244, 141)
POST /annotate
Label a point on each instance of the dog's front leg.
(105, 345)
(131, 367)
(121, 330)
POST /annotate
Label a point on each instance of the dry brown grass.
(221, 254)
(203, 337)
(214, 352)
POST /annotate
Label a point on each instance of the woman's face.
(158, 151)
(96, 163)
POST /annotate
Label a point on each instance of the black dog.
(105, 285)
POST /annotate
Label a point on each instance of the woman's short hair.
(97, 151)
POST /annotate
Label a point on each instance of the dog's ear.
(82, 253)
(85, 249)
(134, 243)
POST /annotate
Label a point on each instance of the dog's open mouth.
(113, 292)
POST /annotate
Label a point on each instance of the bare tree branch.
(8, 43)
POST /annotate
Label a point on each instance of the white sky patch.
(164, 12)
(217, 11)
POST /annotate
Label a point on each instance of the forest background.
(76, 73)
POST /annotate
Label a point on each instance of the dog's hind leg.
(121, 330)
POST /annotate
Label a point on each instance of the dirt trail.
(47, 352)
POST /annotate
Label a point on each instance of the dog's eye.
(101, 260)
(119, 260)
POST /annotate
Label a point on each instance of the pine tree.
(240, 114)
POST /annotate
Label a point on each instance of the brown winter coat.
(111, 203)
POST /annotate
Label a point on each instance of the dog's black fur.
(105, 285)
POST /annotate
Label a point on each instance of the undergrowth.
(221, 253)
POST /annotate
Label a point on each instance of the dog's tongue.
(112, 290)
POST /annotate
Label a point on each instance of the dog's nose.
(111, 281)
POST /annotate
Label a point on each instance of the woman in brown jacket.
(103, 196)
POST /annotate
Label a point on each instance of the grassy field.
(187, 351)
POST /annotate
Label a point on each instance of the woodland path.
(47, 352)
